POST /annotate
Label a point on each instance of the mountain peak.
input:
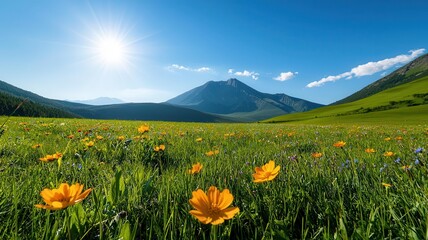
(235, 97)
(234, 82)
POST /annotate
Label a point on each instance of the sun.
(111, 50)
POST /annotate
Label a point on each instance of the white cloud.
(178, 67)
(284, 76)
(245, 73)
(371, 68)
(175, 67)
(203, 69)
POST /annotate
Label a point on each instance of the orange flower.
(143, 129)
(388, 154)
(196, 168)
(212, 153)
(316, 155)
(212, 207)
(51, 157)
(370, 150)
(63, 196)
(339, 144)
(159, 148)
(71, 136)
(266, 173)
(399, 138)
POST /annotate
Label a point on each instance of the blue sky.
(151, 51)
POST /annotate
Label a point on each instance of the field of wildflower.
(98, 179)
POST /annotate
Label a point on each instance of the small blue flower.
(417, 161)
(397, 160)
(419, 150)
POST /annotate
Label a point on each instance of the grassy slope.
(344, 112)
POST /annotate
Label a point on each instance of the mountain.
(233, 98)
(404, 104)
(35, 105)
(416, 69)
(9, 104)
(99, 101)
(150, 112)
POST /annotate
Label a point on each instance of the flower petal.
(213, 195)
(225, 199)
(199, 201)
(230, 212)
(203, 218)
(276, 170)
(83, 195)
(60, 205)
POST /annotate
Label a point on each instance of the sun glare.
(111, 50)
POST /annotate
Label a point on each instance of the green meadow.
(404, 104)
(140, 192)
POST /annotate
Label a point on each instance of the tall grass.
(139, 193)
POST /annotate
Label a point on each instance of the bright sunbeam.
(111, 50)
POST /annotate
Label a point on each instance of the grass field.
(143, 192)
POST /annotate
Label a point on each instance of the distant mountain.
(38, 106)
(99, 101)
(416, 69)
(150, 112)
(234, 99)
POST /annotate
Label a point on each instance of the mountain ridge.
(11, 96)
(234, 99)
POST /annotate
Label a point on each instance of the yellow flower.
(51, 157)
(198, 139)
(159, 148)
(196, 168)
(387, 139)
(266, 173)
(316, 155)
(339, 144)
(387, 185)
(38, 145)
(100, 137)
(63, 196)
(212, 207)
(388, 154)
(370, 150)
(406, 167)
(90, 144)
(143, 129)
(212, 153)
(121, 138)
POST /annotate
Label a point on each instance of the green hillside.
(9, 103)
(416, 69)
(406, 102)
